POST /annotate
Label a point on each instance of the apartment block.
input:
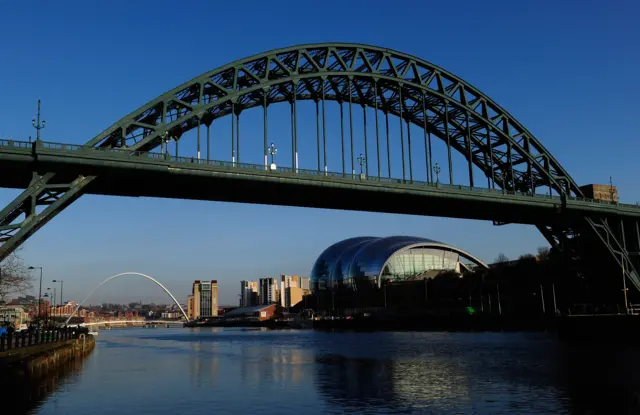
(249, 293)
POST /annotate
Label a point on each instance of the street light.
(61, 290)
(272, 150)
(437, 170)
(38, 125)
(611, 191)
(361, 161)
(46, 295)
(39, 291)
(55, 295)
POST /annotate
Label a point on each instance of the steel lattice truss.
(418, 92)
(393, 82)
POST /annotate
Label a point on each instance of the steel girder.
(396, 83)
(35, 206)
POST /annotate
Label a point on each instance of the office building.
(249, 293)
(268, 290)
(305, 283)
(203, 303)
(290, 290)
(292, 296)
(191, 312)
(214, 298)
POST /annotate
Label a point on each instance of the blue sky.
(566, 70)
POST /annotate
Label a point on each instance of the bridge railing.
(28, 338)
(118, 152)
(15, 144)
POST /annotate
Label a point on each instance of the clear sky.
(566, 70)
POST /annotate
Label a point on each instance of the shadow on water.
(603, 379)
(547, 378)
(26, 395)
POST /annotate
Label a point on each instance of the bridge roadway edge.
(141, 177)
(125, 175)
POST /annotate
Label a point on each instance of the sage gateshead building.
(367, 262)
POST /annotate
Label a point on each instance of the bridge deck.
(124, 173)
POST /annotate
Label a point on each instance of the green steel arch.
(493, 139)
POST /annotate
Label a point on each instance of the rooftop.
(247, 310)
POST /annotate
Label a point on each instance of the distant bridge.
(412, 113)
(131, 322)
(129, 273)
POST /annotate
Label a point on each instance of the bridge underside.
(286, 190)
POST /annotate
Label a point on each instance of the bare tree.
(15, 279)
(501, 258)
(543, 253)
(526, 259)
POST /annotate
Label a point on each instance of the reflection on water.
(168, 371)
(22, 394)
(604, 379)
(451, 373)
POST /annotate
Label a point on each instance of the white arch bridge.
(128, 273)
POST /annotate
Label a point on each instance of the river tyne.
(237, 371)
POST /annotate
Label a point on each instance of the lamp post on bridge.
(272, 149)
(437, 170)
(361, 161)
(164, 144)
(611, 191)
(37, 124)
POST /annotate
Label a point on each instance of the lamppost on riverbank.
(46, 320)
(61, 291)
(54, 302)
(39, 291)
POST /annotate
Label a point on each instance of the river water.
(236, 371)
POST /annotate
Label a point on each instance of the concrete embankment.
(29, 375)
(37, 361)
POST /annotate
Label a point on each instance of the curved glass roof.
(348, 261)
(324, 269)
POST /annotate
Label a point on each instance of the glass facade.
(323, 273)
(358, 263)
(205, 299)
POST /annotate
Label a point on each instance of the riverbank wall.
(37, 361)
